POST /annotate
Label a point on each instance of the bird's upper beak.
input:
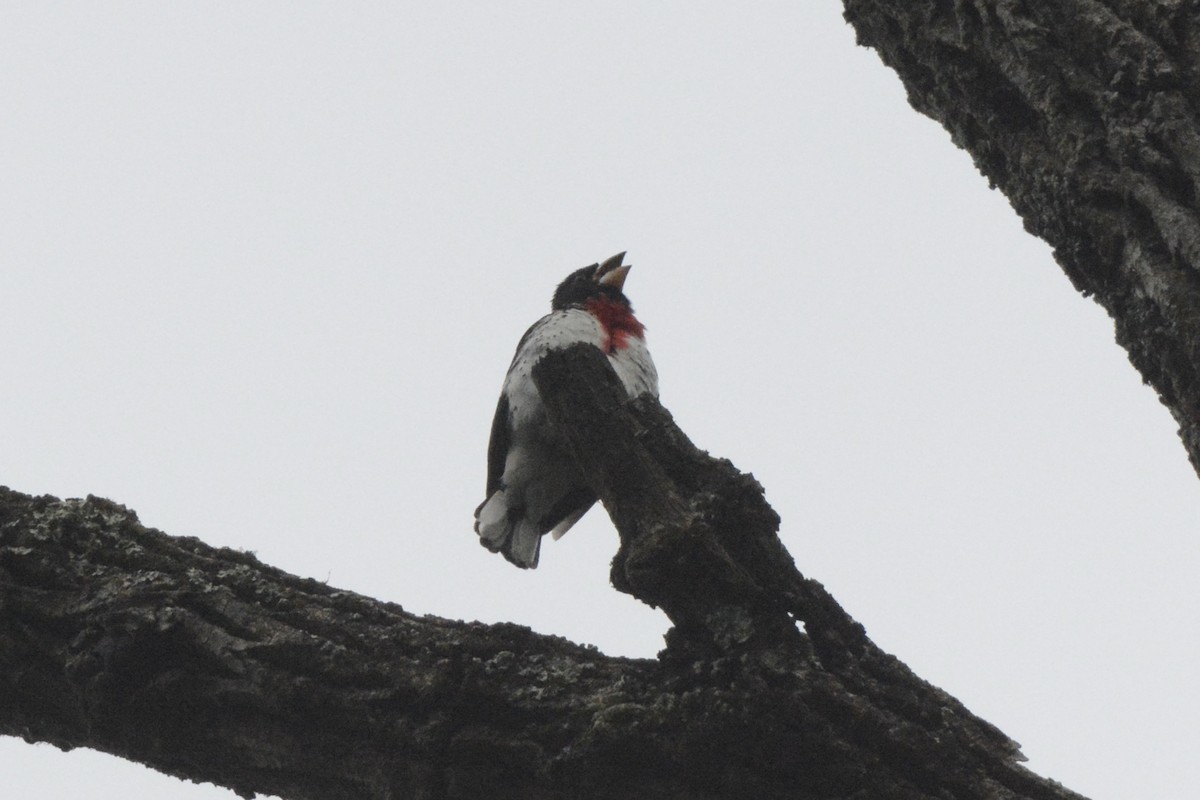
(612, 272)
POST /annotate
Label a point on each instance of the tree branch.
(1084, 113)
(206, 664)
(699, 540)
(209, 665)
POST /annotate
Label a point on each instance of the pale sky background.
(265, 265)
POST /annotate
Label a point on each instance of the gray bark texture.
(209, 665)
(1084, 113)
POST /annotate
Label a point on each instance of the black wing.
(502, 425)
(498, 444)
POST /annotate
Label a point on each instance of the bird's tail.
(512, 534)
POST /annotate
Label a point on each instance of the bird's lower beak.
(615, 277)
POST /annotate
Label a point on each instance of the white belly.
(560, 330)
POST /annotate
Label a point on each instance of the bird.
(533, 486)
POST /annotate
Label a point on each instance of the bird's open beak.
(612, 272)
(616, 277)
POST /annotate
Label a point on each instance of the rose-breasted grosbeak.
(533, 487)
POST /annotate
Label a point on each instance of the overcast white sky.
(265, 265)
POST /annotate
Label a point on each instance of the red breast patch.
(618, 321)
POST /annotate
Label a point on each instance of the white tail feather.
(519, 540)
(491, 521)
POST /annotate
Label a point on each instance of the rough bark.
(1084, 113)
(209, 665)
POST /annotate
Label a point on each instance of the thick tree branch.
(699, 540)
(209, 665)
(1083, 112)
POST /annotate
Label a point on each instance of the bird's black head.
(604, 279)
